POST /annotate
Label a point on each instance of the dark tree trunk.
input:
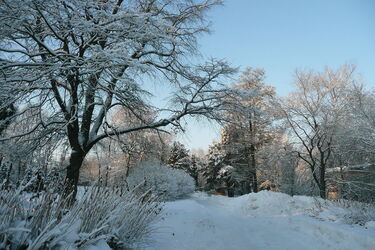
(72, 174)
(322, 173)
(106, 176)
(245, 187)
(322, 183)
(322, 191)
(292, 185)
(253, 171)
(230, 192)
(255, 182)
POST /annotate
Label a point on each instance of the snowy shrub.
(171, 183)
(347, 211)
(357, 212)
(122, 219)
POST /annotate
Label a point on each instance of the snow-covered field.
(265, 220)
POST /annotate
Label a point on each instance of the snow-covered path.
(265, 220)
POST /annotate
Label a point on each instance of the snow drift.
(264, 220)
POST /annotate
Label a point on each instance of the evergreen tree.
(214, 163)
(250, 129)
(179, 157)
(226, 177)
(234, 162)
(194, 167)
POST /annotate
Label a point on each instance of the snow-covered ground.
(265, 220)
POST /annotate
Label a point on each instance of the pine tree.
(194, 167)
(226, 176)
(179, 157)
(250, 129)
(214, 164)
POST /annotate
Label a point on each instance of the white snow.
(370, 224)
(100, 245)
(265, 220)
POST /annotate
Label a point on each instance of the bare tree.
(73, 61)
(314, 112)
(354, 153)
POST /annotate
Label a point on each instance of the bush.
(171, 183)
(44, 221)
(357, 212)
(348, 211)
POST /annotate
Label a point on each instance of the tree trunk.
(322, 183)
(253, 171)
(255, 182)
(245, 187)
(292, 184)
(72, 174)
(322, 191)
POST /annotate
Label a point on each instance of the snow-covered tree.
(179, 157)
(250, 129)
(353, 152)
(73, 61)
(278, 161)
(196, 165)
(234, 161)
(314, 112)
(215, 161)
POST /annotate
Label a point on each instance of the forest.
(89, 150)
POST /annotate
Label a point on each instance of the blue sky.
(283, 35)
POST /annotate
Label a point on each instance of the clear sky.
(283, 35)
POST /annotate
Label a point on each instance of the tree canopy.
(72, 62)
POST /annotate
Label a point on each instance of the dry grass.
(123, 219)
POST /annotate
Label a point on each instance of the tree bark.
(72, 174)
(255, 182)
(253, 171)
(322, 183)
